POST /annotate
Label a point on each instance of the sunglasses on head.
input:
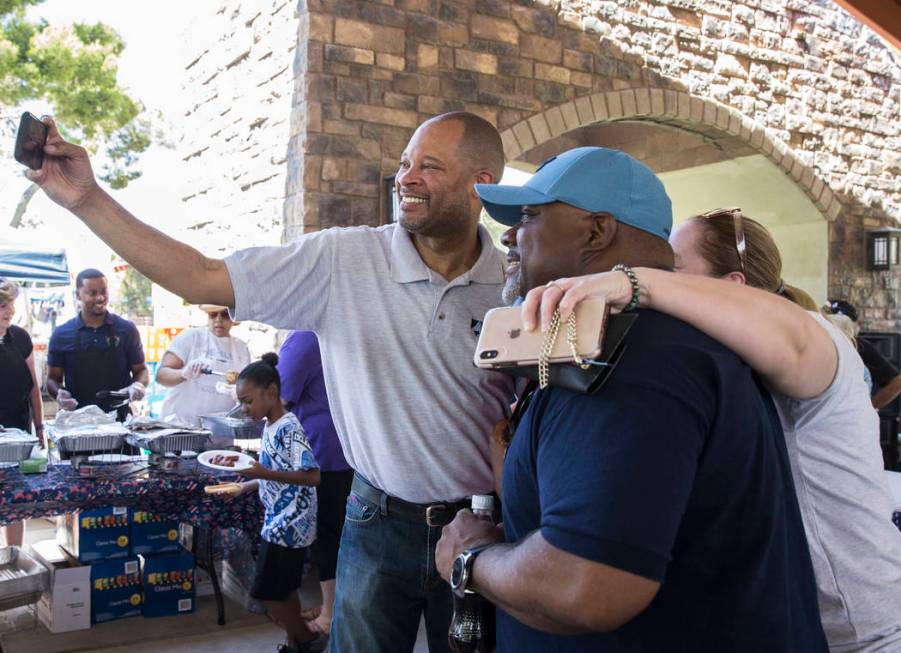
(213, 315)
(740, 243)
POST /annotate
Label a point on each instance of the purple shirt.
(303, 391)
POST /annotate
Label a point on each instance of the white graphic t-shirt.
(290, 519)
(191, 399)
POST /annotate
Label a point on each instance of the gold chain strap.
(547, 346)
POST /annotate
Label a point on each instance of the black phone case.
(30, 140)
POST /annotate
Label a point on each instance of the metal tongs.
(119, 398)
(235, 411)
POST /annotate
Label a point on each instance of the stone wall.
(797, 80)
(819, 88)
(239, 85)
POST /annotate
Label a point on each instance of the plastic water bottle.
(472, 627)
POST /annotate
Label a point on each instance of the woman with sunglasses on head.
(196, 361)
(731, 288)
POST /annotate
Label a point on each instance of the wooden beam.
(882, 16)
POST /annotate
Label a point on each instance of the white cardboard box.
(66, 606)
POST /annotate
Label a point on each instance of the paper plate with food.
(224, 460)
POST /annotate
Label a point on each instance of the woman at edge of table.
(728, 284)
(20, 393)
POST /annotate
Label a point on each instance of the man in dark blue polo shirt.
(95, 351)
(658, 514)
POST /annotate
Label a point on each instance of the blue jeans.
(386, 580)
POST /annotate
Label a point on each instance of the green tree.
(135, 295)
(73, 68)
(494, 228)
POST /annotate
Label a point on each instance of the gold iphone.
(505, 343)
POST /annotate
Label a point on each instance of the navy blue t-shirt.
(676, 471)
(61, 350)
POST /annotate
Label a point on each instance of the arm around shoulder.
(778, 339)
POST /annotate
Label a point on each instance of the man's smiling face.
(545, 245)
(433, 183)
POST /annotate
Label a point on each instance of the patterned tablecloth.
(176, 494)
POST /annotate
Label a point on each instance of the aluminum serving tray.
(169, 442)
(232, 427)
(84, 442)
(22, 578)
(14, 452)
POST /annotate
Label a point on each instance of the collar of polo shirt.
(107, 320)
(407, 266)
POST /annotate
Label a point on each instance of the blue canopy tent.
(34, 266)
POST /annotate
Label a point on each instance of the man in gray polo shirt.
(393, 308)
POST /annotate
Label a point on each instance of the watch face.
(456, 577)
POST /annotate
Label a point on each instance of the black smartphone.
(30, 140)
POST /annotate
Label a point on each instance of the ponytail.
(263, 372)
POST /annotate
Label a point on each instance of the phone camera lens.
(489, 354)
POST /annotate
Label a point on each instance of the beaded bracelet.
(633, 280)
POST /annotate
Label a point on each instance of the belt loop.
(383, 504)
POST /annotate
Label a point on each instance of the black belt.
(434, 514)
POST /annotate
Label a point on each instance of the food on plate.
(231, 377)
(224, 460)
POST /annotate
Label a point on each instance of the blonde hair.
(844, 324)
(763, 263)
(9, 290)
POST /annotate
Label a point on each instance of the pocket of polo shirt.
(360, 512)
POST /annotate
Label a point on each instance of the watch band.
(467, 560)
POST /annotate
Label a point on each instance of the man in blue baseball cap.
(619, 198)
(658, 514)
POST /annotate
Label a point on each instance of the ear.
(735, 277)
(601, 231)
(482, 176)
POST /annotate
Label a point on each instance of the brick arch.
(676, 108)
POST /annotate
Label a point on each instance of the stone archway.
(676, 108)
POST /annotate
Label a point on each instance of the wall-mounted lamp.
(883, 248)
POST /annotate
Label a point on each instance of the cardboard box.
(151, 534)
(94, 535)
(203, 583)
(168, 584)
(66, 605)
(115, 590)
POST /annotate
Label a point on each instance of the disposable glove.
(193, 370)
(136, 391)
(65, 400)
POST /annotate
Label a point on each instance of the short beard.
(444, 219)
(512, 289)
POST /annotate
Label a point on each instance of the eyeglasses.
(223, 314)
(740, 243)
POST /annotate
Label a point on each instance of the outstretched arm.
(776, 338)
(68, 180)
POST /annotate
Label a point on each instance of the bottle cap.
(482, 502)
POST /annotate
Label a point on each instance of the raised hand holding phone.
(66, 175)
(30, 141)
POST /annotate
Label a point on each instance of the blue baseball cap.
(589, 178)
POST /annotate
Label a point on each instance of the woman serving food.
(196, 361)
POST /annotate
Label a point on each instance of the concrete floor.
(192, 633)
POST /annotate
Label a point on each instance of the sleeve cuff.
(242, 282)
(615, 554)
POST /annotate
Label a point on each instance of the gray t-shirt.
(833, 445)
(413, 413)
